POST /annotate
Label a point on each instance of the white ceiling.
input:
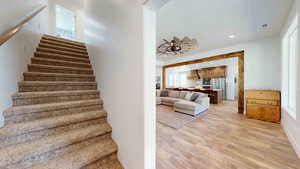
(212, 21)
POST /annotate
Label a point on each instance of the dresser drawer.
(264, 102)
(263, 112)
(263, 94)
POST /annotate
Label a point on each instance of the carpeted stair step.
(27, 137)
(61, 57)
(54, 62)
(58, 69)
(57, 119)
(80, 158)
(39, 76)
(61, 40)
(62, 48)
(30, 98)
(56, 43)
(62, 52)
(110, 162)
(36, 86)
(25, 152)
(13, 130)
(34, 112)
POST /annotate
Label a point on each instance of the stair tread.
(16, 110)
(57, 60)
(13, 154)
(63, 44)
(57, 74)
(82, 157)
(48, 83)
(52, 93)
(62, 51)
(59, 67)
(52, 122)
(62, 39)
(57, 47)
(62, 56)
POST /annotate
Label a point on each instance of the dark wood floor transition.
(223, 139)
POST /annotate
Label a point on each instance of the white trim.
(292, 139)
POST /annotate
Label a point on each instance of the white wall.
(16, 53)
(291, 125)
(76, 6)
(114, 35)
(262, 62)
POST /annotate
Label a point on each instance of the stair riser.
(56, 88)
(58, 78)
(62, 52)
(50, 56)
(104, 162)
(42, 158)
(33, 68)
(57, 63)
(53, 99)
(51, 113)
(62, 48)
(9, 141)
(63, 41)
(49, 42)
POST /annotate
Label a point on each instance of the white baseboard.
(292, 140)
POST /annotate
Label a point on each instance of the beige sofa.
(192, 103)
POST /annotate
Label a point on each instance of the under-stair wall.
(15, 54)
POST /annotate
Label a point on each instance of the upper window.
(289, 76)
(65, 23)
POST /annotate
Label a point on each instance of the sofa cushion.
(173, 93)
(164, 93)
(187, 105)
(188, 96)
(158, 93)
(170, 99)
(158, 100)
(182, 94)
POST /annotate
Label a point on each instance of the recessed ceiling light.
(231, 36)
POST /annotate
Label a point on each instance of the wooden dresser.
(263, 105)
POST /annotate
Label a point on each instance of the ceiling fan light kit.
(177, 46)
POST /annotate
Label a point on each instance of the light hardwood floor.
(222, 139)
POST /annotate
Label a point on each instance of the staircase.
(57, 120)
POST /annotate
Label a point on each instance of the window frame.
(290, 51)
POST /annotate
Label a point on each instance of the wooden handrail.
(9, 34)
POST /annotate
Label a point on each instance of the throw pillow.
(173, 93)
(188, 96)
(164, 93)
(194, 96)
(182, 94)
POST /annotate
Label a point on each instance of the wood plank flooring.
(223, 139)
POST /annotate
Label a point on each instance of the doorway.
(65, 23)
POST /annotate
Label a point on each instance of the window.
(65, 23)
(290, 60)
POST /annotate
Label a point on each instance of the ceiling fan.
(177, 46)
